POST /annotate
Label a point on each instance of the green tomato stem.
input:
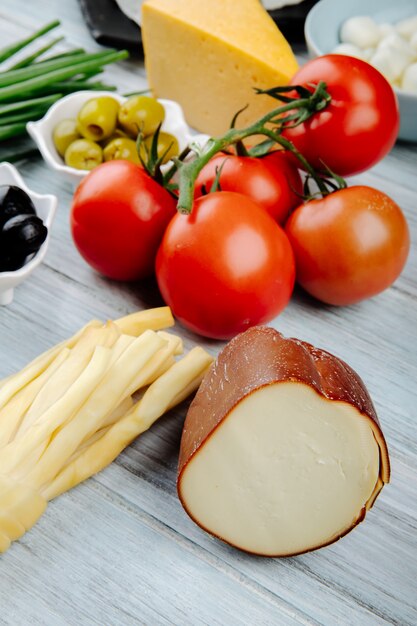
(189, 171)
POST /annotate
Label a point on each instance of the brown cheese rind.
(262, 356)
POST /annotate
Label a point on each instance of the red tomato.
(118, 217)
(348, 246)
(280, 160)
(360, 125)
(225, 267)
(268, 181)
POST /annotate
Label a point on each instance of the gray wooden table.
(119, 550)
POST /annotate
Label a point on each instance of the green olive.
(141, 114)
(121, 148)
(97, 119)
(64, 133)
(167, 147)
(118, 132)
(83, 154)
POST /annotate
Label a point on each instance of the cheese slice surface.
(285, 472)
(210, 55)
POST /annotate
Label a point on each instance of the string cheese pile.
(70, 412)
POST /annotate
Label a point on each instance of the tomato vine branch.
(301, 108)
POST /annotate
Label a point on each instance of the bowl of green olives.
(25, 221)
(85, 128)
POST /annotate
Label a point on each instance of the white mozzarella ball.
(407, 28)
(368, 53)
(409, 80)
(349, 49)
(386, 29)
(392, 57)
(413, 43)
(361, 31)
(382, 61)
(394, 41)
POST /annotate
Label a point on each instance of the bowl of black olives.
(25, 221)
(86, 128)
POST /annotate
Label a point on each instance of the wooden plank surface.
(119, 549)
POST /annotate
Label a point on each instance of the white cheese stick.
(149, 319)
(117, 383)
(13, 383)
(59, 413)
(11, 527)
(69, 371)
(13, 413)
(19, 502)
(172, 387)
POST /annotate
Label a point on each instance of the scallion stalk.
(30, 86)
(38, 83)
(79, 85)
(12, 130)
(62, 55)
(12, 77)
(32, 57)
(9, 51)
(13, 157)
(5, 109)
(27, 116)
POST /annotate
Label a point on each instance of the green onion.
(12, 130)
(34, 85)
(62, 55)
(19, 156)
(9, 51)
(79, 85)
(136, 93)
(11, 77)
(28, 104)
(29, 59)
(32, 114)
(30, 86)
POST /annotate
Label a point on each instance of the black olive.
(10, 263)
(22, 235)
(14, 201)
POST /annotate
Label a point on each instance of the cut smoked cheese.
(281, 451)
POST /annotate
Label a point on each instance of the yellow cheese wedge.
(209, 55)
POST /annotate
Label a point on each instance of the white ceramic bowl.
(322, 30)
(45, 206)
(69, 106)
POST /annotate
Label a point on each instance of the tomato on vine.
(225, 267)
(359, 125)
(118, 217)
(272, 181)
(349, 245)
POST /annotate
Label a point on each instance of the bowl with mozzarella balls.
(380, 32)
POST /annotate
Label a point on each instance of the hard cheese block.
(209, 57)
(281, 451)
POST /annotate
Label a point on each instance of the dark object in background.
(22, 232)
(291, 20)
(14, 201)
(110, 27)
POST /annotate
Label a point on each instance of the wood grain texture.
(119, 549)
